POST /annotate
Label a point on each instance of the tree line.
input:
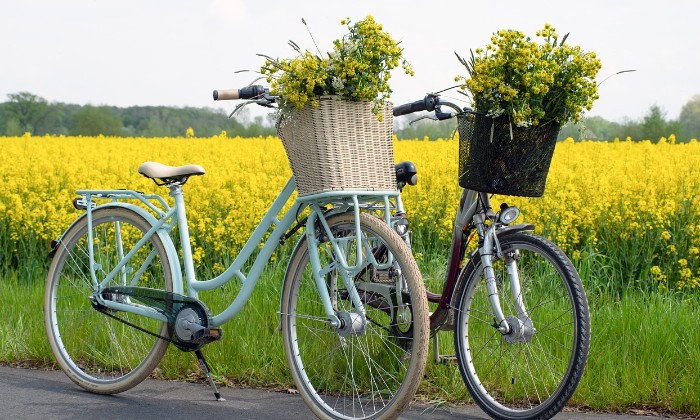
(653, 126)
(26, 112)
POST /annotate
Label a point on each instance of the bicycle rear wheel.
(531, 372)
(97, 352)
(370, 367)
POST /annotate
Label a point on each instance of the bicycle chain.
(170, 340)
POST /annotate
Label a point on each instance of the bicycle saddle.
(155, 170)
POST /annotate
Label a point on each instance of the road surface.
(49, 395)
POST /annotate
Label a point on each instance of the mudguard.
(523, 227)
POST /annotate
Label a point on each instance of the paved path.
(44, 395)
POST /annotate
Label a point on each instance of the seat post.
(177, 193)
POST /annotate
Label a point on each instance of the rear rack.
(149, 200)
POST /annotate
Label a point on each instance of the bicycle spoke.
(369, 357)
(100, 353)
(522, 373)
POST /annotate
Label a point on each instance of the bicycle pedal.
(207, 335)
(384, 276)
(447, 358)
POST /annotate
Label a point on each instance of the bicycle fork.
(353, 321)
(518, 327)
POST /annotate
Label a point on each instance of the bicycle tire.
(97, 352)
(371, 375)
(515, 376)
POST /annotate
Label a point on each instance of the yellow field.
(608, 200)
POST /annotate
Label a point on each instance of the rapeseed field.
(632, 205)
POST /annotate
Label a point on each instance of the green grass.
(645, 352)
(645, 348)
(22, 336)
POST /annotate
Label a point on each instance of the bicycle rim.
(375, 372)
(532, 372)
(98, 352)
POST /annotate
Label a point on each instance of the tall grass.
(645, 351)
(22, 336)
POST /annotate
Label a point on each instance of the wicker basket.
(339, 146)
(496, 156)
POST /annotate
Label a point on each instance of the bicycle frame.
(168, 217)
(474, 208)
(465, 213)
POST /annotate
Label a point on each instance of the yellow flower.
(595, 192)
(358, 68)
(551, 81)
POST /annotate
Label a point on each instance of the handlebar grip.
(247, 92)
(426, 104)
(410, 108)
(226, 94)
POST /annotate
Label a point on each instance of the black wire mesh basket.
(498, 157)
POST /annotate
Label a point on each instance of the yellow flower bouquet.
(531, 83)
(358, 68)
(522, 92)
(335, 121)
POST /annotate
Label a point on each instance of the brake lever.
(443, 115)
(424, 117)
(239, 106)
(437, 116)
(266, 101)
(440, 116)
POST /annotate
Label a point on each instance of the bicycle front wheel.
(531, 372)
(369, 367)
(96, 351)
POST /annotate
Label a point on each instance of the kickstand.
(205, 367)
(440, 358)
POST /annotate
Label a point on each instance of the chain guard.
(188, 319)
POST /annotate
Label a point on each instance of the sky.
(175, 52)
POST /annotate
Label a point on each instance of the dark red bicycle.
(516, 303)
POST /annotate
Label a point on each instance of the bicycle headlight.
(509, 214)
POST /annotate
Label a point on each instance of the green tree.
(12, 127)
(92, 121)
(411, 127)
(591, 128)
(28, 110)
(155, 126)
(654, 124)
(689, 119)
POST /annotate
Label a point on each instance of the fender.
(523, 227)
(163, 234)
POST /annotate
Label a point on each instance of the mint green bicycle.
(353, 310)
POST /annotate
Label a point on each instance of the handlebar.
(255, 94)
(431, 102)
(248, 92)
(260, 95)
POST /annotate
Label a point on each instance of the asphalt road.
(48, 395)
